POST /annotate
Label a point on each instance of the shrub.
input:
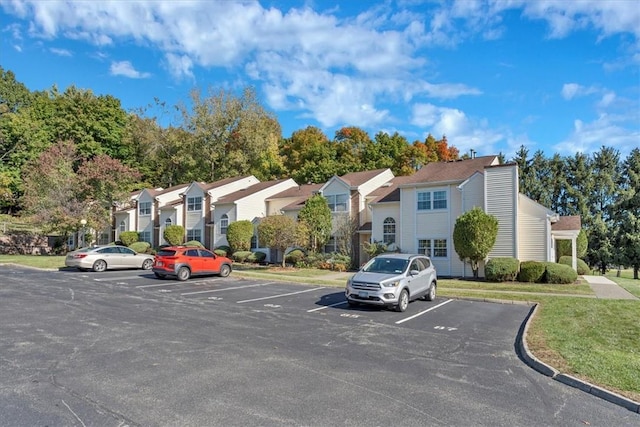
(129, 237)
(140, 247)
(583, 268)
(239, 235)
(240, 256)
(257, 257)
(222, 250)
(559, 273)
(501, 269)
(531, 271)
(295, 256)
(194, 243)
(174, 234)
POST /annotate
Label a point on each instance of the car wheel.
(160, 276)
(183, 273)
(147, 264)
(225, 270)
(431, 295)
(99, 265)
(403, 301)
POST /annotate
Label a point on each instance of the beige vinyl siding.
(501, 190)
(379, 214)
(408, 241)
(274, 207)
(376, 182)
(473, 193)
(533, 230)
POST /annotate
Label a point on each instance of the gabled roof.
(301, 193)
(389, 192)
(255, 188)
(458, 170)
(221, 182)
(564, 223)
(355, 179)
(160, 191)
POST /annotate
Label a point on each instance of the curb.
(543, 368)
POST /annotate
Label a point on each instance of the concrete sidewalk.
(607, 289)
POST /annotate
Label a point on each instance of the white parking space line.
(226, 289)
(111, 279)
(423, 312)
(175, 283)
(327, 306)
(278, 296)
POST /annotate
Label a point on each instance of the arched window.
(123, 226)
(389, 231)
(167, 222)
(224, 223)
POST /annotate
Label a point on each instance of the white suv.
(392, 280)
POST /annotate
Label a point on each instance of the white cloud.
(606, 130)
(126, 69)
(574, 90)
(60, 52)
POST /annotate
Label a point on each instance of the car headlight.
(391, 284)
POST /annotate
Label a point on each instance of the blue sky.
(559, 76)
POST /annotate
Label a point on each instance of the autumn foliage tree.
(280, 232)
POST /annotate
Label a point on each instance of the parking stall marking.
(111, 279)
(327, 306)
(280, 295)
(423, 312)
(176, 283)
(226, 289)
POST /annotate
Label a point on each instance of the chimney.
(473, 153)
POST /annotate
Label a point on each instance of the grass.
(593, 339)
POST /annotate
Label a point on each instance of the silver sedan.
(101, 258)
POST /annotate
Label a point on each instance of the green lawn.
(594, 339)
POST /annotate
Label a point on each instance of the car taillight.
(78, 256)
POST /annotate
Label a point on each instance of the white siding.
(379, 214)
(472, 193)
(501, 194)
(533, 231)
(376, 182)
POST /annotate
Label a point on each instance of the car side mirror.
(414, 272)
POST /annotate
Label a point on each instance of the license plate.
(363, 294)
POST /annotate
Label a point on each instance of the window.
(191, 252)
(439, 200)
(145, 236)
(436, 248)
(424, 247)
(389, 231)
(194, 234)
(337, 202)
(224, 223)
(330, 246)
(123, 226)
(103, 238)
(144, 208)
(194, 204)
(167, 222)
(254, 242)
(425, 199)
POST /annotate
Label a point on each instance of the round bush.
(257, 257)
(194, 243)
(129, 237)
(559, 274)
(531, 271)
(501, 269)
(295, 256)
(140, 247)
(240, 256)
(222, 250)
(583, 268)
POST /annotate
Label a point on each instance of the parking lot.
(124, 348)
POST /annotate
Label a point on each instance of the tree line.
(72, 154)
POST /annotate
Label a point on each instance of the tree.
(174, 234)
(279, 232)
(564, 246)
(474, 235)
(316, 215)
(345, 231)
(239, 234)
(309, 156)
(627, 213)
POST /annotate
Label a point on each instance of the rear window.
(165, 253)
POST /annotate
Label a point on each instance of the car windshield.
(386, 266)
(166, 253)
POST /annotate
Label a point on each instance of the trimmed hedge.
(583, 268)
(140, 247)
(531, 271)
(559, 273)
(501, 269)
(257, 257)
(240, 256)
(129, 237)
(222, 250)
(295, 256)
(194, 243)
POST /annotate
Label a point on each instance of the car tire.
(160, 276)
(99, 266)
(225, 270)
(183, 273)
(147, 264)
(431, 293)
(403, 301)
